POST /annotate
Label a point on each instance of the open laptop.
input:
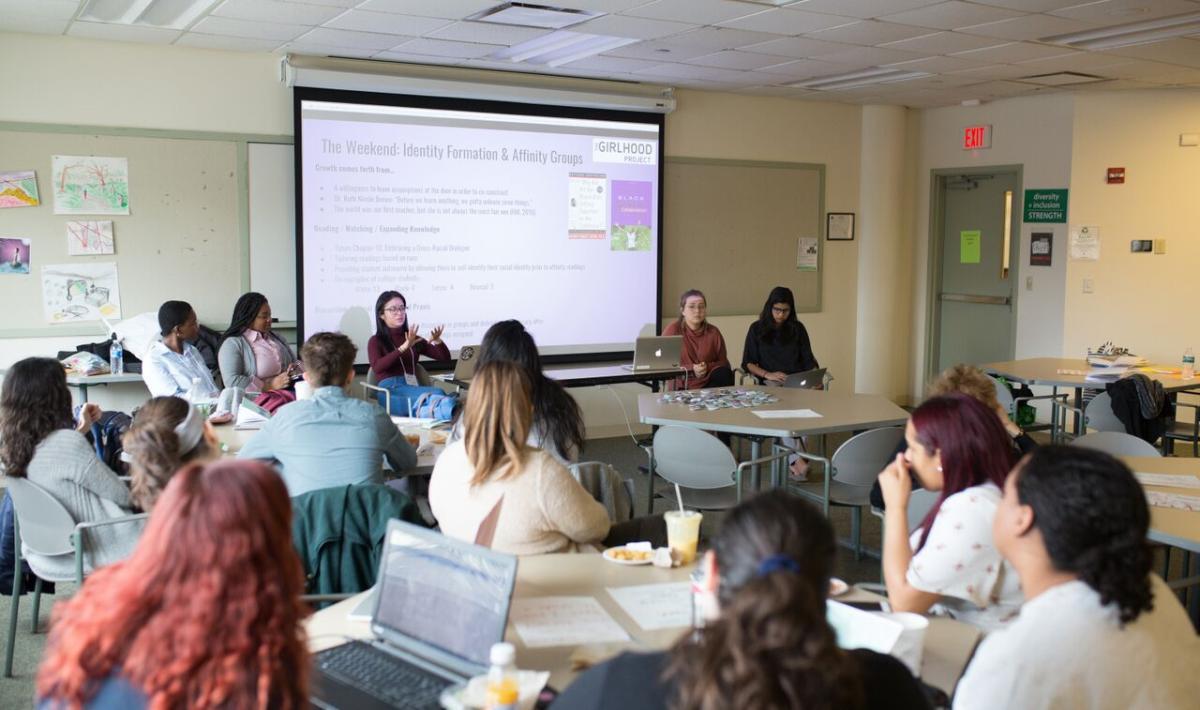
(808, 380)
(659, 352)
(440, 605)
(464, 367)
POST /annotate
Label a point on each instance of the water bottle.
(194, 394)
(1189, 364)
(116, 356)
(503, 688)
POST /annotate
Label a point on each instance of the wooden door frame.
(936, 243)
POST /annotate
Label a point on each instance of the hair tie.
(190, 430)
(777, 563)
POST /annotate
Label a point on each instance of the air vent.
(1061, 78)
(528, 15)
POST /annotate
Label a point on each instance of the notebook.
(440, 605)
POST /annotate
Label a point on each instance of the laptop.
(659, 352)
(440, 605)
(464, 367)
(808, 380)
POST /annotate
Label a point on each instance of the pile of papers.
(725, 398)
(1109, 368)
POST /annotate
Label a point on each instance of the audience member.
(173, 362)
(252, 356)
(166, 433)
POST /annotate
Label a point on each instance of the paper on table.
(1158, 499)
(786, 414)
(1166, 479)
(251, 416)
(656, 606)
(564, 621)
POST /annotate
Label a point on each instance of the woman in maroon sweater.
(703, 346)
(395, 347)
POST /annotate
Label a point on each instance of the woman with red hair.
(205, 613)
(956, 445)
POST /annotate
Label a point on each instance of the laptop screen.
(443, 593)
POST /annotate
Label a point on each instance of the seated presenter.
(252, 357)
(394, 349)
(777, 344)
(703, 346)
(331, 439)
(173, 362)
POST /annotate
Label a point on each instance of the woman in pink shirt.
(703, 347)
(397, 345)
(252, 357)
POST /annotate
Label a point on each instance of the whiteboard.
(273, 226)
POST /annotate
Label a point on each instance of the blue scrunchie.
(777, 563)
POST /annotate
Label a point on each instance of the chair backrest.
(859, 461)
(1099, 414)
(371, 378)
(1003, 395)
(1116, 443)
(692, 458)
(606, 485)
(919, 503)
(46, 525)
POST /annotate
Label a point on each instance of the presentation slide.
(477, 217)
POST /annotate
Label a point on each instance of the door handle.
(973, 298)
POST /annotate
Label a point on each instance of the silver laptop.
(464, 367)
(659, 352)
(440, 605)
(808, 380)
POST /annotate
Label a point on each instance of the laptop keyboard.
(391, 680)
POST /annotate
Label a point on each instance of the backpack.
(439, 405)
(109, 429)
(416, 401)
(208, 344)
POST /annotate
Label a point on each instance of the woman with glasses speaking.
(396, 345)
(777, 343)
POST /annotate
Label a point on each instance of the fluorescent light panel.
(172, 14)
(559, 48)
(527, 15)
(1132, 34)
(852, 80)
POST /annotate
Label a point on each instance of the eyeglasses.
(395, 309)
(777, 309)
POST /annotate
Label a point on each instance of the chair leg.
(37, 603)
(16, 598)
(1166, 568)
(856, 531)
(650, 485)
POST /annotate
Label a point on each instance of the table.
(592, 374)
(948, 643)
(1176, 528)
(84, 381)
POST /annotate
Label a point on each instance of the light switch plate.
(1088, 286)
(1028, 283)
(1188, 140)
(1160, 246)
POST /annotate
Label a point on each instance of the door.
(977, 254)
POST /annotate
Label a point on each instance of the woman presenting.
(396, 345)
(777, 343)
(703, 346)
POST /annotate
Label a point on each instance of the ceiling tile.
(801, 69)
(787, 22)
(735, 60)
(348, 38)
(44, 10)
(1015, 52)
(635, 27)
(864, 8)
(423, 59)
(939, 65)
(1004, 88)
(951, 15)
(449, 9)
(707, 12)
(867, 56)
(599, 5)
(1117, 85)
(254, 30)
(689, 71)
(944, 43)
(990, 72)
(386, 22)
(273, 11)
(14, 22)
(798, 47)
(1032, 5)
(869, 33)
(1184, 52)
(1113, 12)
(1086, 62)
(234, 44)
(718, 38)
(329, 3)
(487, 33)
(1029, 27)
(1137, 69)
(445, 48)
(617, 65)
(659, 50)
(122, 33)
(767, 90)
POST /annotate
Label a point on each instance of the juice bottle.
(503, 689)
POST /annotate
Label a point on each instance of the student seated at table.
(768, 645)
(330, 439)
(544, 508)
(957, 446)
(39, 442)
(166, 433)
(252, 357)
(971, 381)
(777, 344)
(394, 349)
(557, 420)
(173, 362)
(703, 346)
(1098, 630)
(205, 613)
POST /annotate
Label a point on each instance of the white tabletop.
(1053, 372)
(89, 380)
(1170, 526)
(948, 643)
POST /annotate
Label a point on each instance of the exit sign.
(976, 137)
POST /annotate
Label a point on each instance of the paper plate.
(837, 587)
(608, 555)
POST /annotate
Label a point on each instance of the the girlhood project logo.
(624, 150)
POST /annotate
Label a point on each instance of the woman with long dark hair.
(777, 344)
(206, 613)
(40, 442)
(1098, 630)
(253, 357)
(956, 445)
(769, 645)
(703, 345)
(397, 344)
(557, 420)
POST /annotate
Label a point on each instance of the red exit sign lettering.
(976, 137)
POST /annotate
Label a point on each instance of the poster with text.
(631, 200)
(89, 238)
(807, 255)
(14, 256)
(74, 293)
(90, 185)
(18, 189)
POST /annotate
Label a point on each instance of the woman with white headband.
(166, 434)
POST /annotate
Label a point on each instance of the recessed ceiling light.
(866, 77)
(559, 48)
(1061, 78)
(527, 15)
(1131, 34)
(172, 14)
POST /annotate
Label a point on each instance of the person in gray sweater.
(252, 357)
(37, 442)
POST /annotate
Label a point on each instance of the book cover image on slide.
(587, 215)
(631, 204)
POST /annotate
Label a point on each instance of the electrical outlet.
(1028, 283)
(1088, 286)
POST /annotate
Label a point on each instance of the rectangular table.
(948, 643)
(592, 374)
(1169, 526)
(82, 382)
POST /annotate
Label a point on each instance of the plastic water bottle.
(194, 394)
(1189, 364)
(503, 688)
(116, 356)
